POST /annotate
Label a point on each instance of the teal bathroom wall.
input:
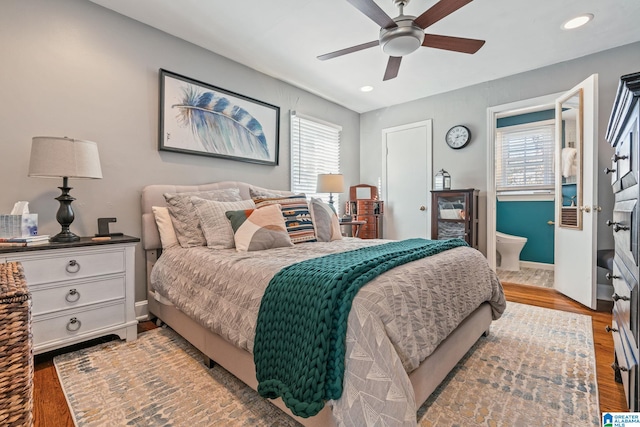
(529, 219)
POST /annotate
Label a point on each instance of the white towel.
(569, 161)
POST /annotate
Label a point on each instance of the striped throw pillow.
(297, 217)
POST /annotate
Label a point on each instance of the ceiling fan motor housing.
(403, 39)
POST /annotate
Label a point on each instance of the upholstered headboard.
(153, 195)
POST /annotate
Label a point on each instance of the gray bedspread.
(396, 320)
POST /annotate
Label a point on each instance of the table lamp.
(330, 183)
(53, 157)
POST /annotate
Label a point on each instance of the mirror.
(569, 159)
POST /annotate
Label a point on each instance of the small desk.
(355, 224)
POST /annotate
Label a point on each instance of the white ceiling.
(282, 38)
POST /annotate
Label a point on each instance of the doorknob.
(551, 222)
(585, 209)
(423, 208)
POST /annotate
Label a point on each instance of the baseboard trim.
(142, 311)
(536, 265)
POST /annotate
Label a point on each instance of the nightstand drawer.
(75, 323)
(61, 266)
(48, 298)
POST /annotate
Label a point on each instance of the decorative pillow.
(183, 215)
(258, 193)
(259, 229)
(297, 217)
(168, 236)
(325, 221)
(215, 225)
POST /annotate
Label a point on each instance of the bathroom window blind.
(315, 149)
(524, 158)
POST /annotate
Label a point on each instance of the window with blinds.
(524, 157)
(315, 149)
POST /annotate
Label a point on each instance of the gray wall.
(72, 68)
(468, 167)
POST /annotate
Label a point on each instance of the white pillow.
(168, 236)
(214, 222)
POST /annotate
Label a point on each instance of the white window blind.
(524, 158)
(315, 149)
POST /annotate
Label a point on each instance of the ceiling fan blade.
(348, 50)
(438, 11)
(374, 12)
(392, 68)
(456, 44)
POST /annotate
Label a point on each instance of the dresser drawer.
(367, 209)
(55, 266)
(623, 161)
(47, 298)
(625, 354)
(77, 322)
(625, 233)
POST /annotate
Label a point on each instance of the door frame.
(428, 124)
(493, 114)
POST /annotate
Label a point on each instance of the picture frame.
(206, 120)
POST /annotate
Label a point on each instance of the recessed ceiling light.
(366, 88)
(578, 21)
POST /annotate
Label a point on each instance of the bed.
(403, 337)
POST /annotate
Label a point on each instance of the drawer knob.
(617, 297)
(610, 276)
(617, 367)
(616, 225)
(608, 171)
(74, 324)
(616, 157)
(72, 296)
(610, 329)
(72, 266)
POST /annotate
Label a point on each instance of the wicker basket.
(16, 362)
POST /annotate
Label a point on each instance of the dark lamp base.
(65, 237)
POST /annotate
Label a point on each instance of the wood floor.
(50, 407)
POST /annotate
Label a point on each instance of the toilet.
(509, 248)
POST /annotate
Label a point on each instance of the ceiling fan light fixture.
(403, 39)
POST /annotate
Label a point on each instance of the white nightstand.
(80, 290)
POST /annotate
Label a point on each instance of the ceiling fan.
(405, 33)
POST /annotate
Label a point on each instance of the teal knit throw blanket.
(299, 347)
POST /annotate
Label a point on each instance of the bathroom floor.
(527, 276)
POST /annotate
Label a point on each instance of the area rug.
(537, 367)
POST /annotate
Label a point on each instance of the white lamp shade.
(330, 183)
(53, 157)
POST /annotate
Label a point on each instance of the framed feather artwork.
(198, 118)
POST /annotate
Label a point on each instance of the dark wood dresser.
(454, 214)
(623, 132)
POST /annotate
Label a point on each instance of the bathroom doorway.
(519, 209)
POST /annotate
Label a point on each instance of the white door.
(575, 248)
(407, 170)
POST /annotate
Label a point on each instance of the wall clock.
(458, 136)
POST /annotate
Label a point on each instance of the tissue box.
(18, 225)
